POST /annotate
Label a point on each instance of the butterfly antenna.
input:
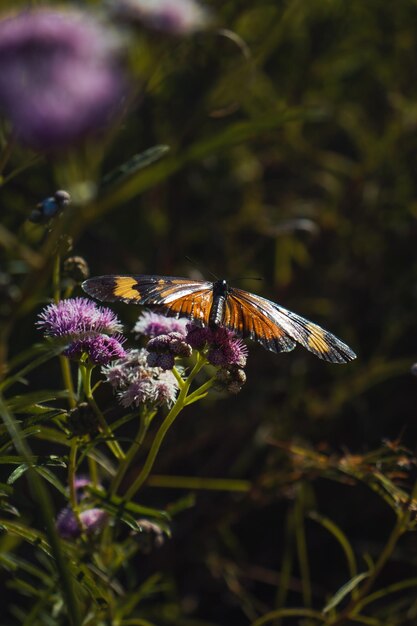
(248, 278)
(187, 258)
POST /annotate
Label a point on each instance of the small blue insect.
(50, 207)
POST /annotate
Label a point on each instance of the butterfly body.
(217, 304)
(217, 310)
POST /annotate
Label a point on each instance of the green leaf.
(52, 479)
(6, 440)
(127, 511)
(134, 164)
(52, 460)
(30, 403)
(51, 434)
(150, 587)
(17, 473)
(344, 591)
(42, 471)
(33, 537)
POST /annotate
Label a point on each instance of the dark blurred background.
(292, 135)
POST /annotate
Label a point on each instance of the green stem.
(67, 378)
(113, 445)
(145, 421)
(200, 392)
(72, 469)
(63, 361)
(92, 466)
(163, 429)
(72, 475)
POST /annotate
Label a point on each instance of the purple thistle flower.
(198, 336)
(77, 318)
(153, 324)
(223, 348)
(60, 78)
(92, 521)
(177, 17)
(101, 349)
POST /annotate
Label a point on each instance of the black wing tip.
(340, 355)
(100, 287)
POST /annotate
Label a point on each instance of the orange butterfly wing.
(177, 297)
(269, 321)
(246, 319)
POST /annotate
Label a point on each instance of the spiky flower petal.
(77, 318)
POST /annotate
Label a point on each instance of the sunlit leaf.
(136, 163)
(344, 591)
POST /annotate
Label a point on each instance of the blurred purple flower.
(92, 521)
(176, 17)
(80, 483)
(101, 349)
(153, 324)
(77, 318)
(137, 383)
(60, 78)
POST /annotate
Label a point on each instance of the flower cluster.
(86, 328)
(60, 78)
(171, 338)
(136, 383)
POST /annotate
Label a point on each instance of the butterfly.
(216, 304)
